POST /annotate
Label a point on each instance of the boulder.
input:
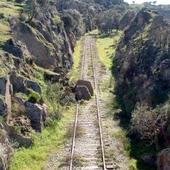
(19, 139)
(3, 81)
(3, 106)
(17, 82)
(5, 148)
(163, 161)
(87, 84)
(52, 76)
(14, 48)
(82, 93)
(21, 84)
(37, 114)
(33, 85)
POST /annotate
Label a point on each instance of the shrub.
(150, 123)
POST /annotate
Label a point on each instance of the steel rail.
(77, 113)
(98, 110)
(74, 137)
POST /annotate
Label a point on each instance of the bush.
(150, 123)
(52, 96)
(33, 96)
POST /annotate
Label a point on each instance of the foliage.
(107, 21)
(106, 46)
(34, 96)
(31, 9)
(73, 21)
(49, 140)
(150, 123)
(74, 72)
(109, 3)
(56, 19)
(53, 95)
(7, 9)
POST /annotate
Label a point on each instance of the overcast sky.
(141, 1)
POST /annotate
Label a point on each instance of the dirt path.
(87, 155)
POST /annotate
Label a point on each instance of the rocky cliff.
(141, 63)
(142, 75)
(37, 40)
(36, 53)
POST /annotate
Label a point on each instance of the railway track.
(87, 152)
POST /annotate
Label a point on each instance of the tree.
(108, 21)
(31, 10)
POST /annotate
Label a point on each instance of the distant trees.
(108, 21)
(33, 7)
(108, 3)
(73, 21)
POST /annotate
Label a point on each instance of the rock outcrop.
(141, 65)
(6, 149)
(37, 115)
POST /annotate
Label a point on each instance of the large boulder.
(37, 114)
(21, 84)
(87, 84)
(14, 48)
(5, 149)
(163, 161)
(18, 82)
(82, 93)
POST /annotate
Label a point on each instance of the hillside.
(37, 40)
(46, 46)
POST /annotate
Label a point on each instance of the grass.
(4, 31)
(51, 138)
(106, 46)
(74, 73)
(7, 9)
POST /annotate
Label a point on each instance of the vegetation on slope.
(75, 71)
(51, 138)
(55, 134)
(8, 9)
(107, 46)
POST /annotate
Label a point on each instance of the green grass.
(8, 9)
(74, 73)
(51, 138)
(106, 46)
(4, 32)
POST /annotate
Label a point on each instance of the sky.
(141, 1)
